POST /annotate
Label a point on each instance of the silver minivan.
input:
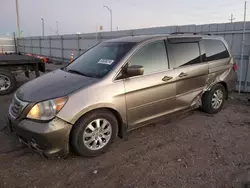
(120, 85)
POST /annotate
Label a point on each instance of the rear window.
(215, 50)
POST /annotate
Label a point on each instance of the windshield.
(99, 61)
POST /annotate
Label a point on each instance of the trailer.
(13, 64)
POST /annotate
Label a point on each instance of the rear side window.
(181, 54)
(215, 50)
(153, 57)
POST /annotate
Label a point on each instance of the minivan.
(120, 85)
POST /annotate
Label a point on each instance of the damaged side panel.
(191, 89)
(221, 71)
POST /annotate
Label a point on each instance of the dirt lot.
(194, 150)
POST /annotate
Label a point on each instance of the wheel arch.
(220, 82)
(122, 126)
(225, 86)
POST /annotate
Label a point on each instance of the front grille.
(17, 106)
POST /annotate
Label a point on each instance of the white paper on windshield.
(106, 61)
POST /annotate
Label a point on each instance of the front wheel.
(93, 134)
(213, 100)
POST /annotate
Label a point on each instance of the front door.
(152, 94)
(187, 58)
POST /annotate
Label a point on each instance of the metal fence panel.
(86, 41)
(229, 39)
(156, 30)
(36, 51)
(70, 44)
(229, 27)
(205, 28)
(237, 40)
(213, 27)
(56, 53)
(45, 52)
(55, 43)
(36, 42)
(221, 27)
(238, 26)
(45, 43)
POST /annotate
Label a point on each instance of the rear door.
(187, 58)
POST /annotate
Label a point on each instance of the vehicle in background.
(12, 64)
(120, 85)
(7, 45)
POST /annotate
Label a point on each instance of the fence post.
(23, 45)
(100, 38)
(232, 37)
(78, 44)
(50, 47)
(245, 85)
(40, 45)
(62, 48)
(17, 45)
(31, 46)
(15, 42)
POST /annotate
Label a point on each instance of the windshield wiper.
(75, 72)
(78, 72)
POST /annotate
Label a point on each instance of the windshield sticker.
(106, 61)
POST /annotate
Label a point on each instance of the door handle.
(166, 78)
(182, 74)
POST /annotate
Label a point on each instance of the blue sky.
(84, 15)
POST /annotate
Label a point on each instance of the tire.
(80, 142)
(207, 99)
(7, 76)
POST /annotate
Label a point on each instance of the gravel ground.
(194, 150)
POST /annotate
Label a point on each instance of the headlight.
(47, 110)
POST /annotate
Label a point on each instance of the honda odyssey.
(119, 85)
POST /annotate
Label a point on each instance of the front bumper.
(49, 139)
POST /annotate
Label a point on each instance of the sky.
(84, 16)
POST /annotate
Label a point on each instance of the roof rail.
(194, 33)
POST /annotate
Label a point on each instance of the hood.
(53, 85)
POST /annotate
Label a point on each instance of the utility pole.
(111, 16)
(57, 30)
(232, 18)
(42, 26)
(242, 45)
(18, 20)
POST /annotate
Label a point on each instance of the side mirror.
(135, 70)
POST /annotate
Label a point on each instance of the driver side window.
(153, 57)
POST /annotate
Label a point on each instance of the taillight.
(235, 67)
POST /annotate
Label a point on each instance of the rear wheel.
(94, 133)
(7, 82)
(213, 100)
